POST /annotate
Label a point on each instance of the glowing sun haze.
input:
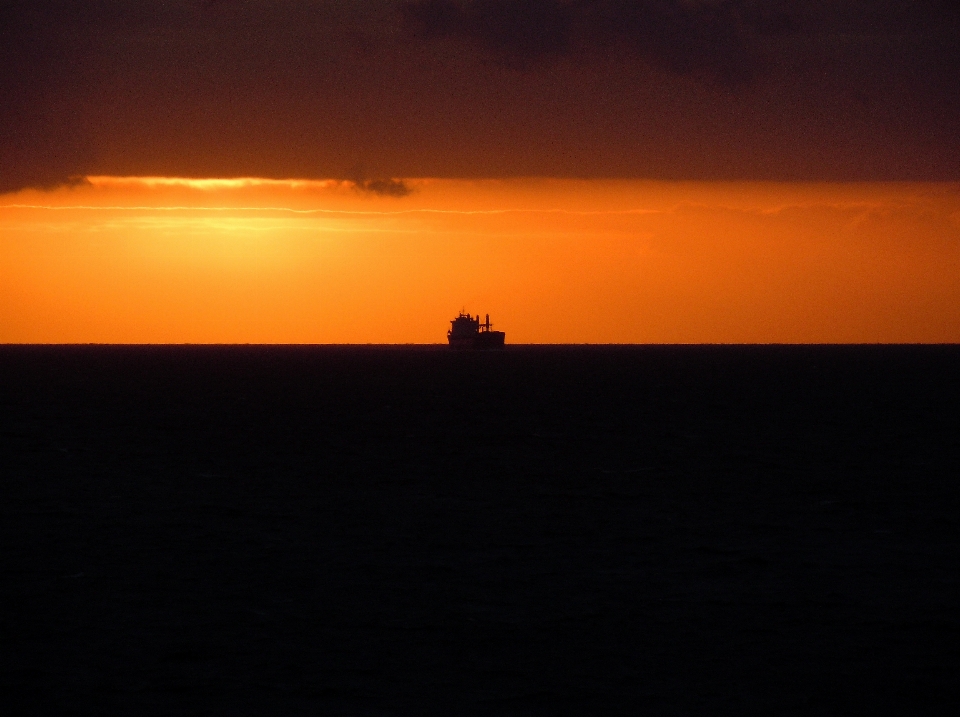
(161, 259)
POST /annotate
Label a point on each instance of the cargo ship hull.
(482, 340)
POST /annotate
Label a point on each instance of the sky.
(650, 171)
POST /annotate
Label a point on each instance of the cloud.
(381, 187)
(681, 37)
(685, 89)
(384, 187)
(517, 33)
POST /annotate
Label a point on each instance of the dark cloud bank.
(706, 39)
(703, 89)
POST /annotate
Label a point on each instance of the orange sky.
(146, 260)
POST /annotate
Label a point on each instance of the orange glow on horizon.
(178, 260)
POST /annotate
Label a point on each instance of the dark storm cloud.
(518, 33)
(41, 141)
(700, 89)
(678, 36)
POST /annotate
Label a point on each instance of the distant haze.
(252, 260)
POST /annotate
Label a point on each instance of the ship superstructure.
(466, 332)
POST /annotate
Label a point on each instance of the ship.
(466, 332)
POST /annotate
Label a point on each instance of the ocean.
(549, 530)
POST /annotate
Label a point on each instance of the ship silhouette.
(466, 332)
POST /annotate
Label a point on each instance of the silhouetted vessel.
(466, 332)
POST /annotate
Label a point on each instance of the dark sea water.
(538, 531)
